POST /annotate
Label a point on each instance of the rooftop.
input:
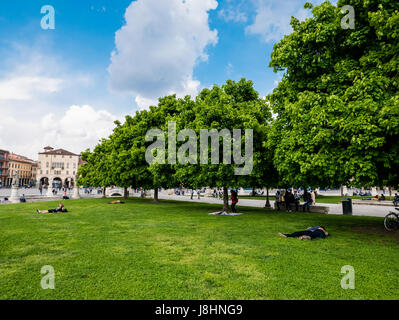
(57, 152)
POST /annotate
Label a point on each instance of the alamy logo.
(48, 281)
(48, 20)
(348, 21)
(188, 151)
(348, 280)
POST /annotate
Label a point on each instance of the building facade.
(57, 168)
(25, 168)
(3, 167)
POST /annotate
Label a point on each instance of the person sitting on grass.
(59, 209)
(311, 233)
(382, 198)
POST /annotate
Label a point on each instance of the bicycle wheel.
(391, 222)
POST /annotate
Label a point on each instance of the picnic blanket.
(222, 213)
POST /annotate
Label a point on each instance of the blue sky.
(106, 59)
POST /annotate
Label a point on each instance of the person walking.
(191, 194)
(313, 193)
(297, 200)
(308, 200)
(199, 194)
(289, 199)
(234, 200)
(278, 199)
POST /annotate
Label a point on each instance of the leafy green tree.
(95, 171)
(235, 105)
(337, 106)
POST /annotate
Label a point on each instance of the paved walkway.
(358, 210)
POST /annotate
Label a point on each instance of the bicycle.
(391, 221)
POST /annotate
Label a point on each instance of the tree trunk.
(125, 195)
(225, 200)
(104, 192)
(156, 199)
(267, 199)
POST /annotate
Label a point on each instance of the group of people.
(218, 193)
(288, 198)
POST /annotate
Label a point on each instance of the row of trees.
(333, 119)
(121, 159)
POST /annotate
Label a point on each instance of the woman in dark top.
(317, 232)
(59, 209)
(234, 200)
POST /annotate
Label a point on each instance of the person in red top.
(234, 200)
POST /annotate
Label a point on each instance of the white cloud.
(76, 129)
(273, 17)
(44, 102)
(158, 48)
(25, 87)
(234, 11)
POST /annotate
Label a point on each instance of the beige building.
(57, 168)
(25, 167)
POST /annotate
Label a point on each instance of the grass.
(175, 250)
(319, 199)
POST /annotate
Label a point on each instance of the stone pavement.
(358, 210)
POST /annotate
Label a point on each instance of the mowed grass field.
(175, 250)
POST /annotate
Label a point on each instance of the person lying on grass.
(309, 234)
(59, 209)
(116, 202)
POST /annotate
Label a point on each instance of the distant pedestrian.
(278, 199)
(234, 200)
(199, 194)
(307, 198)
(289, 199)
(313, 193)
(297, 199)
(191, 194)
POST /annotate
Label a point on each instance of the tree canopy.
(337, 106)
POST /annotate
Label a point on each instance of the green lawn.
(319, 199)
(175, 250)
